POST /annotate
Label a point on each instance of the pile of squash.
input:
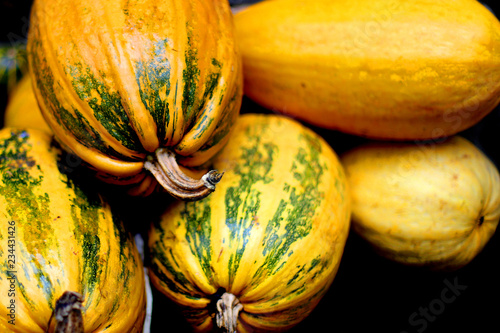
(208, 132)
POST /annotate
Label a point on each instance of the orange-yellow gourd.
(135, 87)
(390, 69)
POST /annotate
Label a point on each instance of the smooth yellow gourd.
(433, 205)
(389, 69)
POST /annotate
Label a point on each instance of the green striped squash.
(126, 85)
(57, 236)
(264, 247)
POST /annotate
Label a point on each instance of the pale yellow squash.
(433, 205)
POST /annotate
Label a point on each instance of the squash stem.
(68, 313)
(228, 308)
(163, 166)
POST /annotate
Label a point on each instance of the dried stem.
(68, 313)
(163, 166)
(228, 308)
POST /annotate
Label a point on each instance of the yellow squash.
(258, 254)
(22, 108)
(391, 69)
(433, 205)
(61, 248)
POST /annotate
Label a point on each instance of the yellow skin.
(391, 69)
(433, 205)
(272, 234)
(22, 109)
(59, 237)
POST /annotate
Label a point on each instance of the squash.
(261, 251)
(22, 108)
(136, 88)
(62, 249)
(383, 69)
(434, 204)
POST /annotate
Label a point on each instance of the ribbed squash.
(434, 205)
(386, 69)
(60, 241)
(22, 108)
(263, 249)
(132, 86)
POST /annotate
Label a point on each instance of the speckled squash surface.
(430, 204)
(272, 235)
(117, 80)
(57, 236)
(387, 69)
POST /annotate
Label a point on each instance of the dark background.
(369, 294)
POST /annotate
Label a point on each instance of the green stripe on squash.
(149, 82)
(272, 234)
(66, 238)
